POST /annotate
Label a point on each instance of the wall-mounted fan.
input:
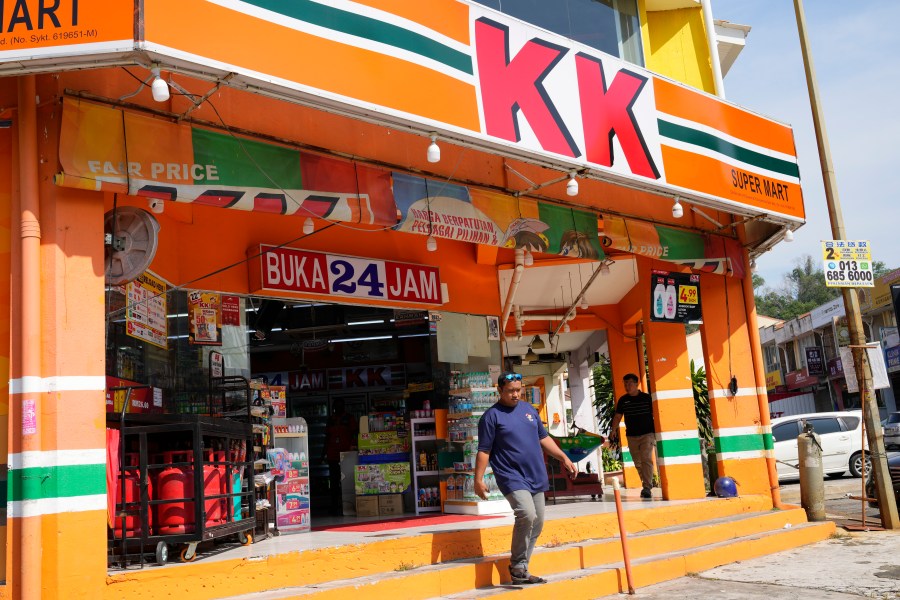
(131, 242)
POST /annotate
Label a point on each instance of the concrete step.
(589, 563)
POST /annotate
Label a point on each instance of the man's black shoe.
(646, 494)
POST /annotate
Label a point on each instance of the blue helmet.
(725, 487)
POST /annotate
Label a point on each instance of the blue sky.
(856, 55)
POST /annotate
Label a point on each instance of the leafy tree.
(701, 403)
(879, 269)
(804, 289)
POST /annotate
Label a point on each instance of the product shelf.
(469, 390)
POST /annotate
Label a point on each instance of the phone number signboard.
(848, 263)
(302, 271)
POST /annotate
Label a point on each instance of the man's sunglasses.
(512, 377)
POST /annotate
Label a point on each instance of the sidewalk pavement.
(849, 565)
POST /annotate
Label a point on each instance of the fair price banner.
(848, 263)
(293, 270)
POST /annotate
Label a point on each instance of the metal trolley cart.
(183, 480)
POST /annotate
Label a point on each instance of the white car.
(840, 434)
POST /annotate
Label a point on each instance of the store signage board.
(145, 318)
(675, 297)
(815, 360)
(848, 263)
(880, 378)
(504, 86)
(334, 275)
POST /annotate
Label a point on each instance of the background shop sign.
(815, 360)
(892, 359)
(773, 380)
(835, 367)
(675, 298)
(334, 275)
(367, 377)
(800, 379)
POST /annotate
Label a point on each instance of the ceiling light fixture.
(789, 235)
(529, 258)
(537, 343)
(566, 328)
(677, 209)
(572, 186)
(604, 268)
(308, 226)
(156, 205)
(584, 303)
(530, 356)
(431, 243)
(159, 88)
(434, 151)
(753, 265)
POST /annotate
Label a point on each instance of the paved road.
(848, 566)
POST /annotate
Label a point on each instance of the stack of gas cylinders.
(171, 485)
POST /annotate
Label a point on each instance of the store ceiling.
(553, 286)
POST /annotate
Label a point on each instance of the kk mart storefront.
(447, 158)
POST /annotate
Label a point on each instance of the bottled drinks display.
(463, 429)
(478, 401)
(429, 496)
(475, 379)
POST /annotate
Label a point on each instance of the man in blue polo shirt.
(511, 438)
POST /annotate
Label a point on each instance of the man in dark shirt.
(512, 439)
(637, 408)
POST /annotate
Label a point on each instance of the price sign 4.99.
(847, 263)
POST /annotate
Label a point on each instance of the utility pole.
(884, 491)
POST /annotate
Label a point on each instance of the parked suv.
(841, 437)
(892, 431)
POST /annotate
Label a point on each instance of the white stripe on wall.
(678, 435)
(679, 460)
(57, 458)
(730, 431)
(674, 394)
(71, 383)
(55, 506)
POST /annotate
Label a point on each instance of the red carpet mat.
(403, 522)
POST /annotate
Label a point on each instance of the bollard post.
(812, 482)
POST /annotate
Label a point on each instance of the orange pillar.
(57, 475)
(738, 430)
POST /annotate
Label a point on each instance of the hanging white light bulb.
(604, 268)
(572, 186)
(529, 258)
(308, 226)
(431, 243)
(584, 303)
(434, 151)
(753, 265)
(156, 205)
(677, 209)
(566, 328)
(789, 235)
(159, 88)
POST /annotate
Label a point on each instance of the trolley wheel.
(245, 538)
(162, 553)
(189, 553)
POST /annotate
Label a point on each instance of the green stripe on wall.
(679, 447)
(367, 28)
(741, 443)
(711, 142)
(246, 163)
(768, 441)
(37, 483)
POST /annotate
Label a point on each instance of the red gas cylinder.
(132, 485)
(176, 484)
(213, 485)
